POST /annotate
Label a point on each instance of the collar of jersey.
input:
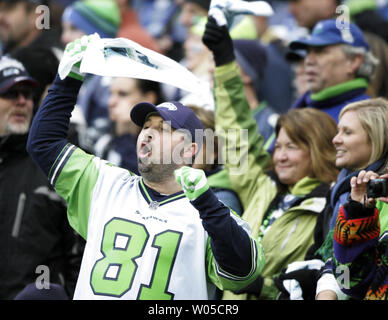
(151, 195)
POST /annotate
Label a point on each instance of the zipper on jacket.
(293, 228)
(19, 215)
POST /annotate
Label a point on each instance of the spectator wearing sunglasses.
(34, 232)
(16, 98)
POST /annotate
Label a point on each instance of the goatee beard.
(21, 128)
(157, 173)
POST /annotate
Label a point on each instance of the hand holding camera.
(368, 186)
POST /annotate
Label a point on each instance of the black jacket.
(34, 229)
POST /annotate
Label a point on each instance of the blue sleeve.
(231, 244)
(230, 199)
(49, 128)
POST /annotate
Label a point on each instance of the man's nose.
(22, 99)
(148, 133)
(111, 102)
(310, 57)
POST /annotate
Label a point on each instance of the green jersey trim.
(60, 162)
(230, 276)
(227, 281)
(74, 178)
(150, 200)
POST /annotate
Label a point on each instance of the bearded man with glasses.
(35, 236)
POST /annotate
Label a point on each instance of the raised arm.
(48, 134)
(71, 171)
(245, 155)
(47, 137)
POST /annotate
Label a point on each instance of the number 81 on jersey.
(113, 274)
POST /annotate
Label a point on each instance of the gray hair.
(369, 63)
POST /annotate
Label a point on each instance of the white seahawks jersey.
(136, 248)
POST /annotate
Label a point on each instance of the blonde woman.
(362, 145)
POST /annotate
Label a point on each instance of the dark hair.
(30, 4)
(205, 4)
(208, 122)
(151, 86)
(41, 63)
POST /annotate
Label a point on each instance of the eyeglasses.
(13, 93)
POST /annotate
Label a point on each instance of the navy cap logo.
(10, 72)
(318, 28)
(168, 105)
(6, 63)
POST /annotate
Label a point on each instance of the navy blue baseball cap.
(329, 32)
(31, 292)
(180, 116)
(12, 72)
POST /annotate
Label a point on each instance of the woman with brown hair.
(282, 195)
(361, 145)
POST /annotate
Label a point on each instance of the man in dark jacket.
(37, 244)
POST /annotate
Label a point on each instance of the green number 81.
(113, 274)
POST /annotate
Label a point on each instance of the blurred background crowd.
(281, 69)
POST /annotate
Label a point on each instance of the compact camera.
(377, 188)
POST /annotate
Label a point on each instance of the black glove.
(307, 280)
(218, 40)
(253, 288)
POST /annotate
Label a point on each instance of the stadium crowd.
(285, 212)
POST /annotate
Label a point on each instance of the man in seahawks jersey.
(161, 235)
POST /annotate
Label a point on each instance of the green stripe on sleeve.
(227, 281)
(75, 184)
